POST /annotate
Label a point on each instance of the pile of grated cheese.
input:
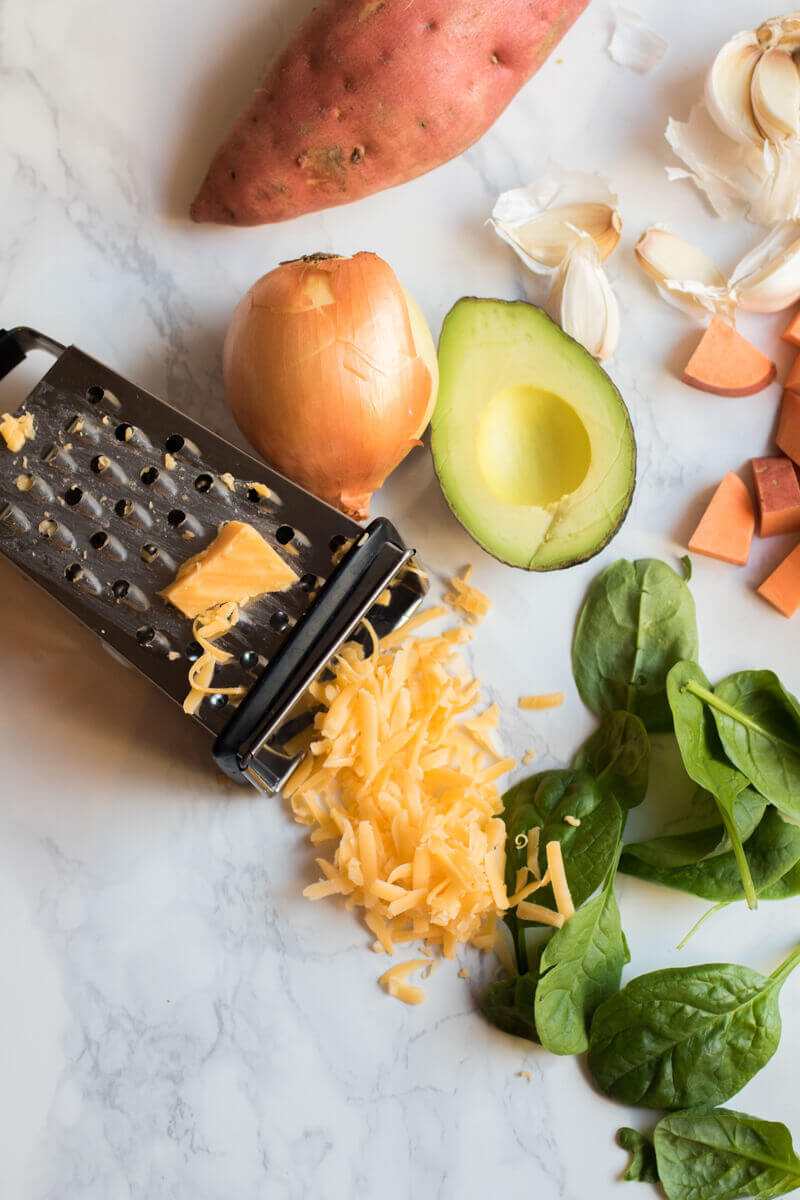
(466, 599)
(404, 781)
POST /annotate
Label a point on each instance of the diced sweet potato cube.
(792, 383)
(792, 331)
(788, 437)
(782, 587)
(727, 364)
(777, 495)
(727, 526)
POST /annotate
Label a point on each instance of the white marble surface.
(176, 1021)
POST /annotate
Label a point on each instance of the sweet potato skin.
(371, 93)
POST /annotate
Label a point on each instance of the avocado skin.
(580, 350)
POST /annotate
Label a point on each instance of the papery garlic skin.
(633, 45)
(767, 279)
(583, 303)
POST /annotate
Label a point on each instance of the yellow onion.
(331, 374)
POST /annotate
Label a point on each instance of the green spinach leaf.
(686, 563)
(617, 755)
(687, 1036)
(581, 966)
(759, 726)
(708, 840)
(642, 1168)
(704, 758)
(724, 1155)
(588, 849)
(509, 1004)
(772, 852)
(638, 620)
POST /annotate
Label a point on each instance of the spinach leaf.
(687, 1036)
(638, 620)
(723, 1155)
(617, 755)
(785, 887)
(759, 726)
(588, 849)
(686, 563)
(581, 966)
(704, 758)
(642, 1168)
(509, 1005)
(772, 851)
(706, 841)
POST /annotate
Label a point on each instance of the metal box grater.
(117, 488)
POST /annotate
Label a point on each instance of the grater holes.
(284, 534)
(120, 589)
(95, 394)
(148, 476)
(123, 508)
(176, 517)
(73, 495)
(204, 482)
(248, 659)
(24, 482)
(193, 651)
(73, 572)
(100, 463)
(48, 527)
(308, 582)
(336, 542)
(98, 540)
(279, 621)
(123, 432)
(149, 553)
(217, 700)
(174, 443)
(253, 496)
(145, 635)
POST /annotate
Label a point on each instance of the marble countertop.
(176, 1020)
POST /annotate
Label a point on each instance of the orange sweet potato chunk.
(792, 383)
(727, 364)
(782, 587)
(727, 526)
(777, 495)
(788, 436)
(792, 331)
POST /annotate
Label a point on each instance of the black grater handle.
(343, 601)
(15, 344)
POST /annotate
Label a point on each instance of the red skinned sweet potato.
(371, 93)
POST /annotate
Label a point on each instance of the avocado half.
(532, 442)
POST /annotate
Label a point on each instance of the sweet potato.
(371, 93)
(727, 364)
(727, 526)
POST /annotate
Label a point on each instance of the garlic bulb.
(582, 301)
(741, 144)
(766, 280)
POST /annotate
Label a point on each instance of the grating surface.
(117, 489)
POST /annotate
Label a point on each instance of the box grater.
(117, 488)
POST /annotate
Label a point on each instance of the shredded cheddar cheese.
(528, 757)
(546, 700)
(467, 600)
(207, 629)
(16, 431)
(404, 782)
(394, 980)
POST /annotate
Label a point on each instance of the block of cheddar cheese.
(777, 495)
(238, 565)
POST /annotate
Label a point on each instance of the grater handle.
(344, 600)
(15, 344)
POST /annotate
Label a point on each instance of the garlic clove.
(582, 301)
(767, 279)
(728, 88)
(542, 222)
(780, 32)
(546, 239)
(685, 277)
(775, 94)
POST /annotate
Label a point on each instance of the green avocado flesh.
(532, 442)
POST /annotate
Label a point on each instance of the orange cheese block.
(782, 587)
(777, 495)
(793, 378)
(727, 364)
(727, 526)
(788, 435)
(238, 565)
(792, 331)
